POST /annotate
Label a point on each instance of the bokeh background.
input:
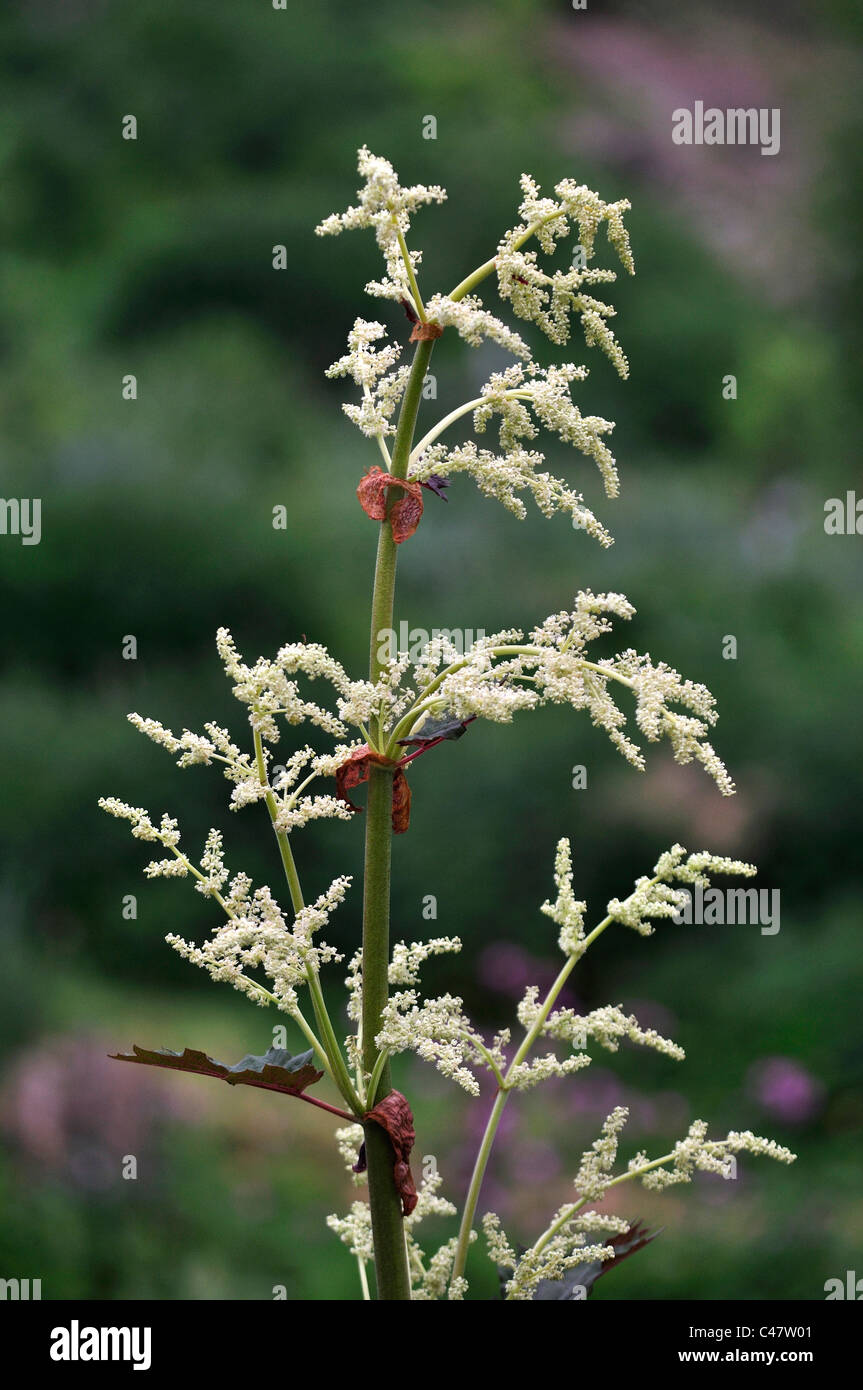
(154, 257)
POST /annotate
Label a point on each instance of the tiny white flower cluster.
(349, 1140)
(597, 1162)
(548, 300)
(429, 1276)
(355, 1230)
(547, 392)
(502, 674)
(386, 207)
(268, 690)
(655, 897)
(562, 1245)
(697, 1153)
(294, 809)
(550, 1258)
(545, 299)
(439, 1031)
(652, 898)
(407, 961)
(504, 477)
(474, 324)
(382, 701)
(606, 1026)
(256, 936)
(694, 1153)
(566, 910)
(370, 368)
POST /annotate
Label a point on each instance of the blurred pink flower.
(785, 1089)
(68, 1108)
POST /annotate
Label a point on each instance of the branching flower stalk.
(409, 703)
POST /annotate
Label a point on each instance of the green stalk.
(338, 1068)
(503, 1095)
(391, 1268)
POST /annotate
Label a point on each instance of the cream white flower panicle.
(257, 936)
(269, 691)
(606, 1026)
(502, 674)
(503, 477)
(521, 397)
(563, 1244)
(547, 391)
(387, 208)
(349, 1140)
(475, 324)
(355, 1230)
(429, 1276)
(566, 910)
(563, 1250)
(697, 1153)
(657, 897)
(370, 368)
(437, 1030)
(549, 299)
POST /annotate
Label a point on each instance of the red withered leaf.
(355, 770)
(393, 1114)
(405, 512)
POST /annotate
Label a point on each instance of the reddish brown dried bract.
(355, 770)
(405, 513)
(401, 802)
(394, 1115)
(424, 331)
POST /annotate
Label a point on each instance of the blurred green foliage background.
(154, 257)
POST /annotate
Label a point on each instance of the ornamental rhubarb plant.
(368, 730)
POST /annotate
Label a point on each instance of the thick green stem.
(391, 1272)
(391, 1269)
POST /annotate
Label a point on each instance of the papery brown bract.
(355, 770)
(406, 511)
(394, 1115)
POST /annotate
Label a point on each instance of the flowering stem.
(476, 277)
(479, 1167)
(340, 1072)
(444, 424)
(570, 1211)
(502, 1097)
(391, 1268)
(375, 1079)
(415, 289)
(425, 701)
